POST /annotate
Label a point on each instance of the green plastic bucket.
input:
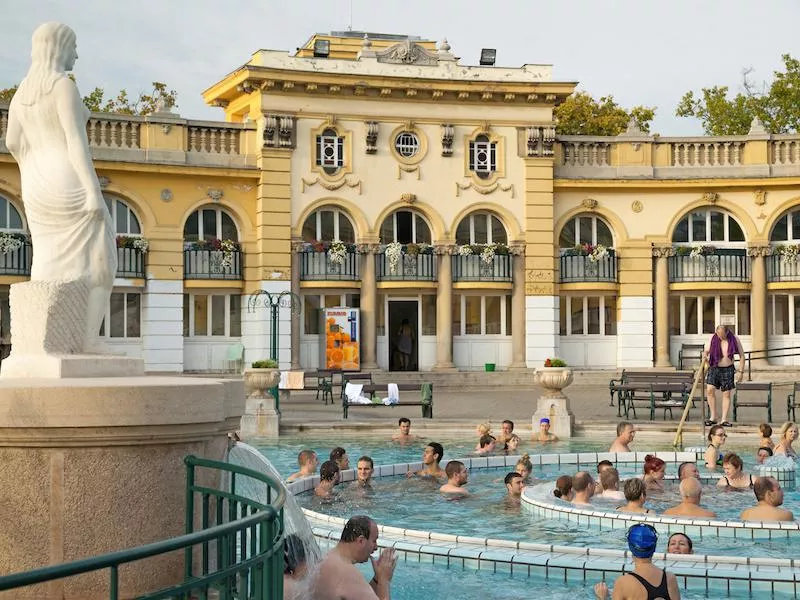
(489, 366)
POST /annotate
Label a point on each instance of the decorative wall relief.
(278, 131)
(637, 206)
(330, 185)
(372, 136)
(487, 189)
(711, 197)
(540, 140)
(448, 133)
(408, 169)
(166, 195)
(589, 203)
(103, 181)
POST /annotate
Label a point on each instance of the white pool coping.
(572, 564)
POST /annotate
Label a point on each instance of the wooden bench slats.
(753, 386)
(371, 388)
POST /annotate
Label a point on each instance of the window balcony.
(578, 268)
(130, 263)
(17, 262)
(410, 267)
(317, 266)
(730, 265)
(782, 267)
(212, 264)
(473, 268)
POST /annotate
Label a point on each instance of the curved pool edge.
(568, 564)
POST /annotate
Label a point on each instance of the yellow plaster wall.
(539, 235)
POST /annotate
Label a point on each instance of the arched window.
(787, 228)
(328, 224)
(704, 226)
(330, 151)
(125, 220)
(406, 227)
(481, 228)
(585, 229)
(210, 224)
(10, 219)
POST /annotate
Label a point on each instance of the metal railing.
(130, 263)
(212, 264)
(780, 268)
(577, 268)
(246, 542)
(724, 264)
(784, 352)
(410, 267)
(17, 262)
(473, 268)
(317, 266)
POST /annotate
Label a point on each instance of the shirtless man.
(328, 478)
(508, 429)
(404, 435)
(364, 470)
(339, 456)
(583, 486)
(487, 445)
(720, 351)
(770, 496)
(339, 579)
(457, 476)
(430, 460)
(688, 470)
(625, 435)
(544, 434)
(308, 461)
(691, 491)
(514, 484)
(646, 580)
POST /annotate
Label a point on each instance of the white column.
(162, 326)
(541, 329)
(255, 330)
(635, 331)
(284, 323)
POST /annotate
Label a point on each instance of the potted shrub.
(261, 377)
(554, 376)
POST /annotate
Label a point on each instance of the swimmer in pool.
(457, 477)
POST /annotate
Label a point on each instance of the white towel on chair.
(394, 394)
(284, 382)
(352, 392)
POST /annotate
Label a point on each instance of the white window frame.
(111, 203)
(577, 220)
(771, 312)
(414, 215)
(335, 142)
(9, 207)
(218, 233)
(317, 214)
(321, 298)
(488, 167)
(723, 243)
(401, 146)
(790, 239)
(106, 327)
(568, 300)
(463, 320)
(717, 311)
(209, 316)
(489, 236)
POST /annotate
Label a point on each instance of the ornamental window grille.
(483, 156)
(330, 151)
(407, 144)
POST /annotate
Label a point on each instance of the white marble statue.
(71, 229)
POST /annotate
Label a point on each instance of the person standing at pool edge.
(720, 352)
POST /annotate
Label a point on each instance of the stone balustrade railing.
(165, 138)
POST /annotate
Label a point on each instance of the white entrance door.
(588, 331)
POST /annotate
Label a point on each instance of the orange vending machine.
(340, 339)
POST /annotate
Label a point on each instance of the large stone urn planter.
(261, 416)
(553, 403)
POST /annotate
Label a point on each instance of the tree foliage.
(581, 114)
(776, 104)
(122, 103)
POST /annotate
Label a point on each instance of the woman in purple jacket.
(721, 372)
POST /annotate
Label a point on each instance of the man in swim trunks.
(691, 491)
(457, 477)
(770, 496)
(583, 486)
(404, 434)
(720, 351)
(328, 478)
(364, 470)
(625, 435)
(514, 485)
(430, 460)
(688, 470)
(656, 583)
(544, 432)
(308, 462)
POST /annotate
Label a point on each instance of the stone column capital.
(663, 251)
(368, 248)
(445, 249)
(759, 250)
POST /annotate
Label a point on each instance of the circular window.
(407, 144)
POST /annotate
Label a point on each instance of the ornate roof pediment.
(407, 53)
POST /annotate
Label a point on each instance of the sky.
(647, 52)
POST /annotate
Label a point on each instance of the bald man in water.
(691, 491)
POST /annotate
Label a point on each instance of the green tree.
(96, 101)
(776, 104)
(581, 114)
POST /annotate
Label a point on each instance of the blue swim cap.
(642, 540)
(544, 420)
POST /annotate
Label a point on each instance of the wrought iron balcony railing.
(212, 264)
(782, 267)
(17, 262)
(723, 265)
(410, 267)
(317, 266)
(473, 268)
(576, 268)
(130, 263)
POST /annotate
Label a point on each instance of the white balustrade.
(707, 154)
(785, 152)
(586, 154)
(113, 133)
(213, 140)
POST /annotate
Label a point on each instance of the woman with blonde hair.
(788, 436)
(524, 467)
(71, 229)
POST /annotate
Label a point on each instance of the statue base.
(72, 366)
(260, 418)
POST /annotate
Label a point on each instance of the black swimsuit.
(736, 488)
(659, 592)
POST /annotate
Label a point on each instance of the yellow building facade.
(378, 172)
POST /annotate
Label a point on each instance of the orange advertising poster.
(341, 333)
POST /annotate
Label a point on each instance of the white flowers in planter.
(394, 252)
(465, 250)
(487, 254)
(141, 244)
(789, 253)
(697, 251)
(598, 253)
(228, 247)
(10, 242)
(337, 253)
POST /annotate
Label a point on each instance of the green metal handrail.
(249, 547)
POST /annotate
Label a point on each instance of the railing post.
(189, 526)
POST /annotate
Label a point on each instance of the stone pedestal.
(553, 403)
(260, 418)
(94, 465)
